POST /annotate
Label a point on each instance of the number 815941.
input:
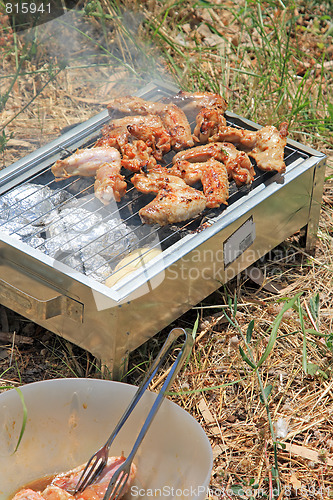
(27, 8)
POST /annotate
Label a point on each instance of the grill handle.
(27, 305)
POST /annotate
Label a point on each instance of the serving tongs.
(98, 461)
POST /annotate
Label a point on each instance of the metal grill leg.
(116, 369)
(314, 213)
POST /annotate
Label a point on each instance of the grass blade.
(275, 327)
(304, 350)
(235, 305)
(24, 421)
(314, 307)
(249, 331)
(246, 359)
(195, 327)
(265, 394)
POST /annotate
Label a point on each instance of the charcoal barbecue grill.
(59, 244)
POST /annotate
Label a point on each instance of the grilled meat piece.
(176, 123)
(238, 164)
(152, 180)
(27, 494)
(269, 148)
(208, 123)
(85, 162)
(64, 483)
(56, 493)
(213, 176)
(175, 200)
(116, 133)
(199, 100)
(121, 133)
(150, 120)
(149, 129)
(109, 184)
(102, 162)
(115, 137)
(130, 105)
(173, 118)
(137, 155)
(266, 145)
(97, 490)
(157, 138)
(206, 108)
(237, 136)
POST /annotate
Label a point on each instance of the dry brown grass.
(225, 394)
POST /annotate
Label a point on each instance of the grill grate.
(40, 230)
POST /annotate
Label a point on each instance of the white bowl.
(69, 419)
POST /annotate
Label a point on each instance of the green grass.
(259, 71)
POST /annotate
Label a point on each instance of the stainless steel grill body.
(112, 322)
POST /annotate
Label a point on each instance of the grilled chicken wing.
(130, 105)
(116, 133)
(157, 138)
(152, 180)
(176, 123)
(102, 162)
(237, 136)
(85, 162)
(150, 120)
(213, 176)
(266, 145)
(210, 117)
(137, 155)
(238, 164)
(208, 123)
(124, 133)
(199, 100)
(114, 137)
(173, 118)
(109, 184)
(269, 148)
(175, 200)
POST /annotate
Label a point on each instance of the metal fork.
(98, 461)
